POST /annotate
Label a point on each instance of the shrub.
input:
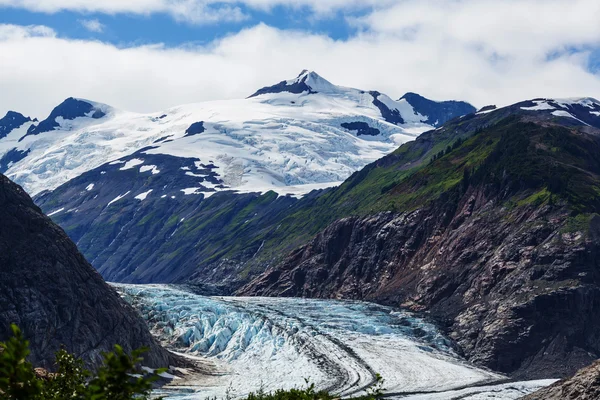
(119, 377)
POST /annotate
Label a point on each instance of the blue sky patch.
(135, 29)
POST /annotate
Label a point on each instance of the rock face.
(585, 385)
(520, 298)
(497, 238)
(53, 293)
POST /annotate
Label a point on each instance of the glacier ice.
(277, 342)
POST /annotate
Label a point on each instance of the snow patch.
(134, 162)
(188, 173)
(89, 187)
(142, 196)
(541, 105)
(152, 168)
(118, 198)
(561, 113)
(56, 212)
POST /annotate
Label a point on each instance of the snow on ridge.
(588, 102)
(540, 105)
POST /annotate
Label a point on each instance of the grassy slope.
(524, 161)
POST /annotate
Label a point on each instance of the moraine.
(339, 345)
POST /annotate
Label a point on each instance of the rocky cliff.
(585, 385)
(496, 237)
(55, 296)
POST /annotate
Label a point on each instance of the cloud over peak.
(482, 51)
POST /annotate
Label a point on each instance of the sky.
(149, 55)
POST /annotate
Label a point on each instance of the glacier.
(272, 343)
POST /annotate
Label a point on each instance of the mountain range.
(487, 221)
(135, 192)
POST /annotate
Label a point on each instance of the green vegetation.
(579, 223)
(119, 378)
(504, 158)
(376, 392)
(536, 199)
(520, 163)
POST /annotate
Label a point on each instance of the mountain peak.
(307, 81)
(438, 112)
(70, 109)
(12, 120)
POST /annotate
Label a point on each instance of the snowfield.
(339, 345)
(268, 141)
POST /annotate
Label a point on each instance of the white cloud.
(483, 51)
(92, 25)
(194, 11)
(16, 32)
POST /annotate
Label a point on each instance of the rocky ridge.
(55, 296)
(585, 385)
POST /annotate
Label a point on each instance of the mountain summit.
(69, 109)
(12, 120)
(306, 82)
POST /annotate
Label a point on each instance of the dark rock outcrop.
(361, 128)
(296, 86)
(585, 385)
(11, 157)
(55, 296)
(195, 128)
(69, 109)
(12, 120)
(438, 112)
(392, 116)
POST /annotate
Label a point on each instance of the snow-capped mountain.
(152, 197)
(584, 111)
(305, 131)
(577, 111)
